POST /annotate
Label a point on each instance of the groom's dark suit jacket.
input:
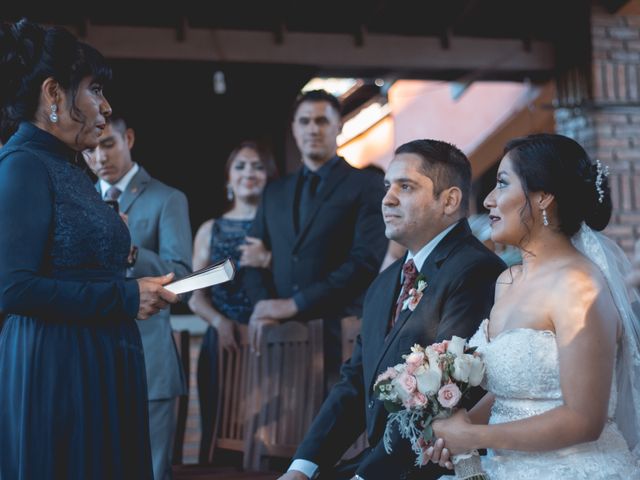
(460, 275)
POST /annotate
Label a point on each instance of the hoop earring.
(229, 193)
(53, 116)
(545, 219)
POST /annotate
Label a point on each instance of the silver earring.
(545, 220)
(229, 193)
(53, 116)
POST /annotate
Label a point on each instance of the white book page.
(211, 275)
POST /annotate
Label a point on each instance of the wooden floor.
(197, 472)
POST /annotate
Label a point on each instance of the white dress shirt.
(121, 184)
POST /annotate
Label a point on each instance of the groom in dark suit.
(424, 209)
(324, 228)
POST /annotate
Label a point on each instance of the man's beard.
(318, 156)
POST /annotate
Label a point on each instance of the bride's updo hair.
(560, 166)
(29, 54)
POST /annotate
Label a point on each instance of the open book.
(212, 275)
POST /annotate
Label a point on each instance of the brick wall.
(610, 128)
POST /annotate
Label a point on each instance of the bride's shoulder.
(579, 274)
(578, 286)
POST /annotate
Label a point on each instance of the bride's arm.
(584, 318)
(481, 411)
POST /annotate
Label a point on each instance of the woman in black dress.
(226, 307)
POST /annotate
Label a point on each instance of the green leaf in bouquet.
(427, 433)
(426, 421)
(392, 407)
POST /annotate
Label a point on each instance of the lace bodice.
(510, 377)
(88, 237)
(528, 384)
(523, 372)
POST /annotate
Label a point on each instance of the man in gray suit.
(158, 220)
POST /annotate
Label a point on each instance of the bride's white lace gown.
(522, 371)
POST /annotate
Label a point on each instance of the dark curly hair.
(560, 166)
(29, 54)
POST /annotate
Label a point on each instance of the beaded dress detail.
(523, 372)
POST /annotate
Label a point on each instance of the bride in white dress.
(561, 347)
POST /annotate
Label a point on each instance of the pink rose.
(440, 347)
(389, 374)
(407, 384)
(417, 400)
(414, 299)
(449, 395)
(415, 360)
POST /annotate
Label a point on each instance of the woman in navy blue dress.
(73, 392)
(226, 307)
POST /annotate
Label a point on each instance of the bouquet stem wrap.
(468, 466)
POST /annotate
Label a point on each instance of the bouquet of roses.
(429, 385)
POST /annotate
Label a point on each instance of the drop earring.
(229, 193)
(53, 116)
(545, 219)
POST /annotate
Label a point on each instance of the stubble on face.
(315, 128)
(411, 212)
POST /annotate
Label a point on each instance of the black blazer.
(337, 252)
(460, 275)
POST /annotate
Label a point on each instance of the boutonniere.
(415, 294)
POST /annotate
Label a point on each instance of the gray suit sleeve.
(174, 241)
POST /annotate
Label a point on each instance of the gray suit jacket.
(160, 228)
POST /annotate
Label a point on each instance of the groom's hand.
(294, 475)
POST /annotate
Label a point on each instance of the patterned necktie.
(113, 193)
(410, 274)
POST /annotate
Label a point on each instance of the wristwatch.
(133, 256)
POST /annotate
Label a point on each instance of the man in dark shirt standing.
(324, 227)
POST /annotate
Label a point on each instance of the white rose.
(462, 368)
(429, 381)
(456, 346)
(477, 371)
(420, 370)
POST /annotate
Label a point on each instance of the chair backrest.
(350, 328)
(182, 341)
(287, 389)
(234, 374)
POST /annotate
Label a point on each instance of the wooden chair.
(350, 327)
(235, 375)
(182, 340)
(286, 391)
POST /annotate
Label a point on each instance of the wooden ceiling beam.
(322, 50)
